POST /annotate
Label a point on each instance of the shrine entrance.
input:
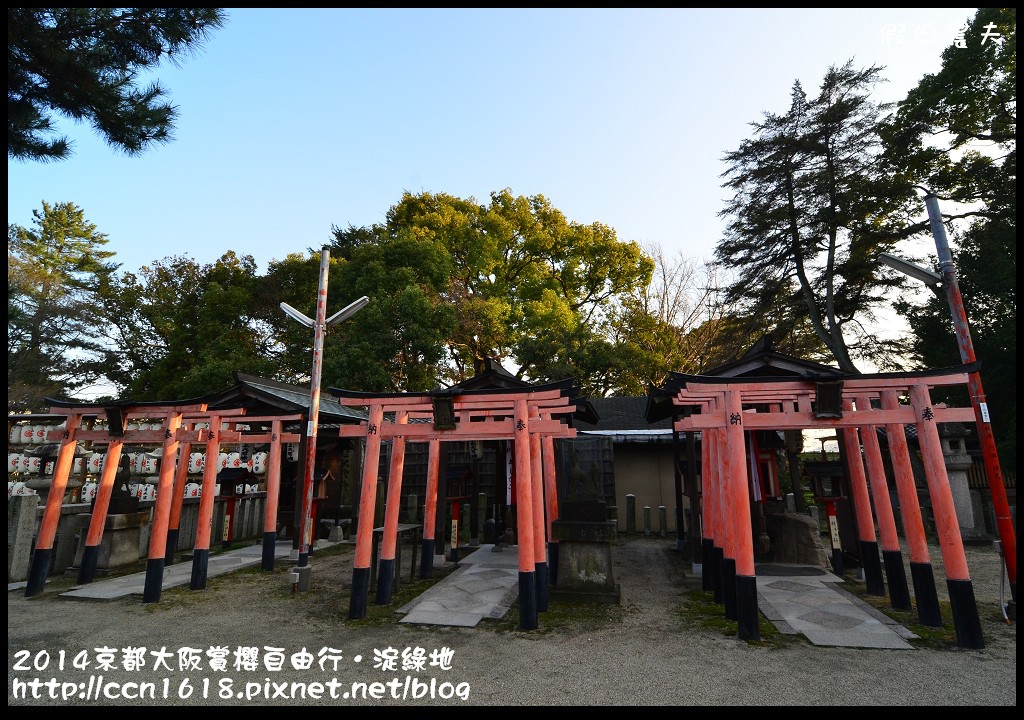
(854, 406)
(531, 417)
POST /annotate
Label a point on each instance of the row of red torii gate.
(719, 409)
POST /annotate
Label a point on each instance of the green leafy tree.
(453, 281)
(811, 212)
(956, 131)
(54, 272)
(178, 329)
(394, 343)
(956, 134)
(84, 64)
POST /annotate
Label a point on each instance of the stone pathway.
(485, 585)
(802, 600)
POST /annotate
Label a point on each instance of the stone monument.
(585, 535)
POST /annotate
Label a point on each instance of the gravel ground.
(648, 651)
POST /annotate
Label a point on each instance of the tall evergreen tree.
(84, 64)
(810, 214)
(54, 271)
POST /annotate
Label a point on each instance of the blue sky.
(294, 120)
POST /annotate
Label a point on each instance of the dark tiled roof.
(622, 413)
(299, 398)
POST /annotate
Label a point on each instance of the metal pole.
(1007, 534)
(305, 533)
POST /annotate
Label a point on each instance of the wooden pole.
(551, 500)
(921, 572)
(524, 521)
(305, 534)
(892, 554)
(958, 580)
(364, 529)
(204, 525)
(539, 526)
(430, 509)
(177, 500)
(94, 536)
(735, 466)
(386, 569)
(162, 511)
(273, 496)
(43, 555)
(862, 509)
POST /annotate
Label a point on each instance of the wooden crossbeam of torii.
(510, 414)
(723, 409)
(793, 401)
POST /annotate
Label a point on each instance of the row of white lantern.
(147, 491)
(36, 434)
(31, 434)
(140, 463)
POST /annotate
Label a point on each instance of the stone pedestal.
(120, 544)
(21, 523)
(585, 554)
(796, 539)
(958, 462)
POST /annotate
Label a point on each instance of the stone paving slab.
(485, 585)
(814, 606)
(180, 573)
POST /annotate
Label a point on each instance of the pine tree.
(810, 214)
(84, 63)
(53, 328)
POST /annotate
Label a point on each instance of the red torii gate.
(726, 407)
(179, 429)
(525, 415)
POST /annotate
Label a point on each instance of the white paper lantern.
(77, 464)
(23, 463)
(39, 434)
(95, 462)
(13, 462)
(16, 435)
(27, 431)
(48, 469)
(33, 464)
(234, 460)
(259, 463)
(222, 461)
(195, 463)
